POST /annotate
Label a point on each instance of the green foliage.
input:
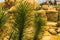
(59, 17)
(1, 12)
(39, 8)
(14, 35)
(39, 25)
(57, 6)
(39, 20)
(22, 10)
(21, 18)
(3, 17)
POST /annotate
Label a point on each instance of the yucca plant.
(21, 19)
(1, 12)
(26, 19)
(28, 32)
(59, 17)
(0, 16)
(29, 29)
(39, 25)
(3, 17)
(22, 10)
(38, 8)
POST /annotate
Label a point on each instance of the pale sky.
(41, 1)
(1, 0)
(38, 0)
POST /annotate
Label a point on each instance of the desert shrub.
(3, 17)
(59, 17)
(38, 8)
(23, 9)
(1, 12)
(39, 25)
(57, 6)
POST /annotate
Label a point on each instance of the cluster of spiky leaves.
(1, 12)
(39, 8)
(39, 25)
(58, 6)
(59, 17)
(29, 29)
(3, 17)
(22, 10)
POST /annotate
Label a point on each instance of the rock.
(52, 15)
(52, 31)
(45, 7)
(51, 23)
(53, 37)
(58, 30)
(48, 7)
(46, 38)
(58, 24)
(51, 8)
(46, 33)
(51, 12)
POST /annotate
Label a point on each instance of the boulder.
(58, 30)
(52, 31)
(58, 24)
(48, 7)
(52, 15)
(45, 7)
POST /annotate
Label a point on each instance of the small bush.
(23, 9)
(39, 25)
(39, 8)
(58, 17)
(3, 17)
(1, 14)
